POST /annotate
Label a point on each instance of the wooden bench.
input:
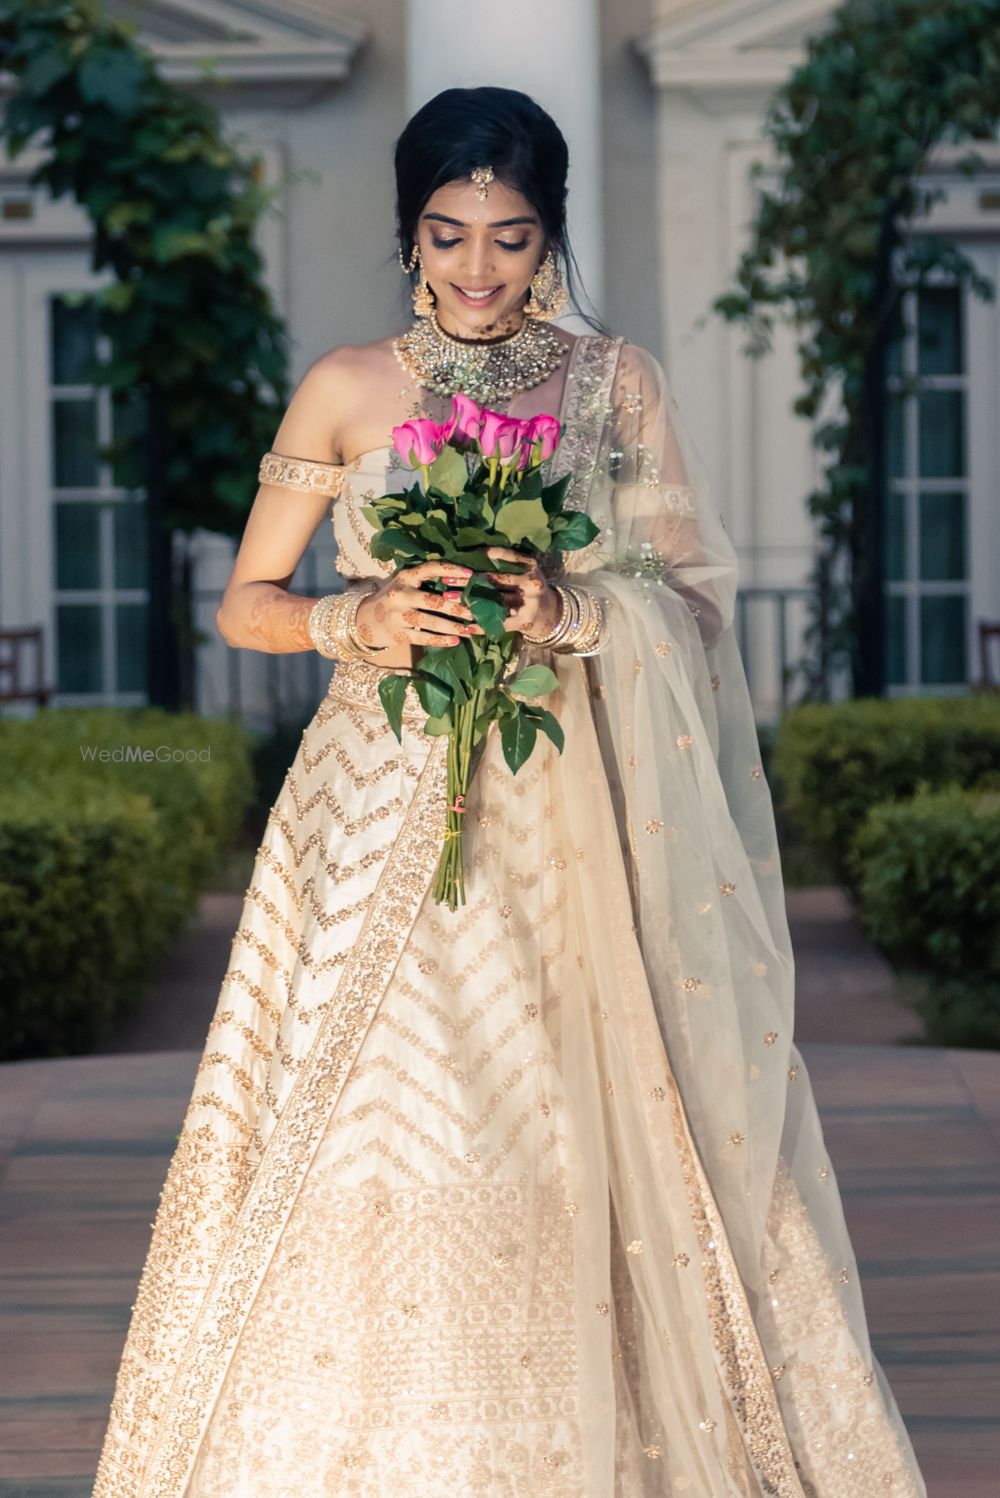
(22, 666)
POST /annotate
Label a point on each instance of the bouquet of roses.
(482, 486)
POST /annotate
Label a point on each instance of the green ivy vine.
(838, 241)
(189, 321)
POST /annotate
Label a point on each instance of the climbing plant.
(198, 354)
(836, 242)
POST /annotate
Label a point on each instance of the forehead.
(461, 200)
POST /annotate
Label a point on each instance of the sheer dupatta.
(741, 1332)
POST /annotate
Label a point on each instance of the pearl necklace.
(489, 372)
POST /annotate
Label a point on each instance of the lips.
(477, 298)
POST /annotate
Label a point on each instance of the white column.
(549, 49)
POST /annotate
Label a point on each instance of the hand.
(533, 604)
(400, 612)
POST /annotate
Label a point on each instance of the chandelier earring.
(548, 297)
(423, 297)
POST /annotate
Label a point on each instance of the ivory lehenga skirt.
(435, 1226)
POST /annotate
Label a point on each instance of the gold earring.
(548, 294)
(423, 297)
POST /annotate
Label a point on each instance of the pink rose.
(500, 436)
(465, 421)
(543, 435)
(418, 442)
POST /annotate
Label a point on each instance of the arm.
(257, 611)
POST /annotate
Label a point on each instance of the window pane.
(895, 450)
(78, 545)
(130, 544)
(942, 537)
(942, 448)
(78, 641)
(895, 641)
(73, 331)
(131, 623)
(74, 439)
(895, 535)
(939, 338)
(943, 640)
(128, 426)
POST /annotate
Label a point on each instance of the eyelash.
(446, 244)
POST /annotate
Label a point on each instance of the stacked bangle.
(332, 624)
(580, 628)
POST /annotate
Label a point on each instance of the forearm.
(265, 616)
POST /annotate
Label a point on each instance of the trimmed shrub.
(101, 861)
(837, 761)
(930, 881)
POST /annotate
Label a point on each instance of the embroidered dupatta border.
(392, 909)
(742, 1363)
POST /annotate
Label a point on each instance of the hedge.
(930, 881)
(835, 762)
(101, 862)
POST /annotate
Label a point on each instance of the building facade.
(662, 104)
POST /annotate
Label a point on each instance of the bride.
(530, 1198)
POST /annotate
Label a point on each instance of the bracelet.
(331, 624)
(561, 625)
(590, 634)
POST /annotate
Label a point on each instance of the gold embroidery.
(303, 474)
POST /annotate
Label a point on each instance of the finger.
(423, 571)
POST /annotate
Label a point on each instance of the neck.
(497, 332)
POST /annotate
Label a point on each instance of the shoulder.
(340, 367)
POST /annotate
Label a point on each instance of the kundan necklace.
(489, 371)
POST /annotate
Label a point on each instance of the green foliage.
(174, 208)
(837, 761)
(101, 862)
(851, 130)
(930, 881)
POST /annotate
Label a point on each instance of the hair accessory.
(482, 176)
(548, 294)
(414, 259)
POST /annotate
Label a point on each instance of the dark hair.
(462, 128)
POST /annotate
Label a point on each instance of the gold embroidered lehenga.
(530, 1199)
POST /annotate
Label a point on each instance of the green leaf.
(533, 681)
(437, 725)
(530, 486)
(433, 695)
(452, 668)
(578, 531)
(390, 544)
(471, 535)
(524, 520)
(392, 692)
(506, 707)
(549, 724)
(449, 472)
(488, 608)
(517, 738)
(112, 76)
(371, 514)
(553, 495)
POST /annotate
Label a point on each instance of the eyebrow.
(501, 223)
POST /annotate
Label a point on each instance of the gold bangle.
(330, 620)
(561, 625)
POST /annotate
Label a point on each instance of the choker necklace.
(488, 371)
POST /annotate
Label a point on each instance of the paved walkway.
(913, 1131)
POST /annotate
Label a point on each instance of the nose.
(479, 265)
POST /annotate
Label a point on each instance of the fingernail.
(452, 593)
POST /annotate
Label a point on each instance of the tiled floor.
(914, 1134)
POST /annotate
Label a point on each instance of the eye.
(505, 246)
(443, 244)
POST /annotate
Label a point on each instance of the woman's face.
(468, 244)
